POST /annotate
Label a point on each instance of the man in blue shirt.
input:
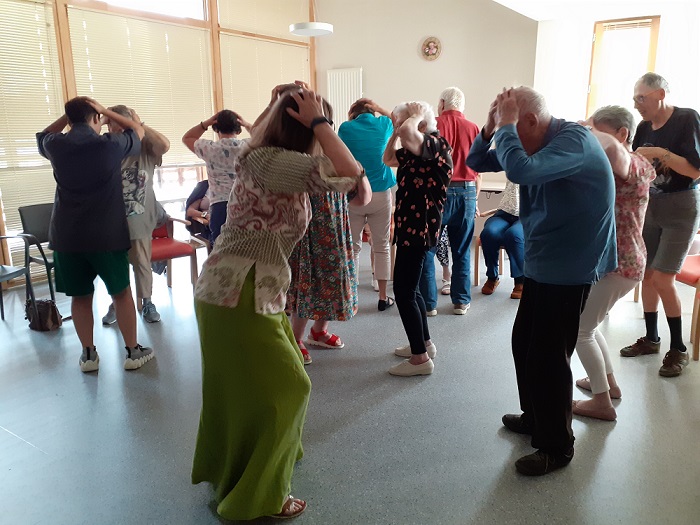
(366, 133)
(88, 230)
(567, 198)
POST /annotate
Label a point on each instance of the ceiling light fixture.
(311, 29)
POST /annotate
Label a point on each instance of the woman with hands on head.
(254, 388)
(222, 159)
(424, 170)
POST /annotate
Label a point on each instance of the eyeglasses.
(639, 99)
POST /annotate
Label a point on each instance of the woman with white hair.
(424, 165)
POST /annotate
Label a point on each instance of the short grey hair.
(616, 117)
(654, 81)
(530, 101)
(453, 98)
(122, 110)
(428, 114)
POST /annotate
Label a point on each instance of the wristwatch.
(319, 120)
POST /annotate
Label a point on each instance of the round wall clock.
(431, 48)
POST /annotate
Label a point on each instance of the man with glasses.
(669, 137)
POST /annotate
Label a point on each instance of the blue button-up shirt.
(567, 199)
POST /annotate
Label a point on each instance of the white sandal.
(445, 290)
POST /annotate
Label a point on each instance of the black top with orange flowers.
(421, 192)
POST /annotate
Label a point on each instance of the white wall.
(564, 54)
(485, 47)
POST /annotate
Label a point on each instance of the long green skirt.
(254, 397)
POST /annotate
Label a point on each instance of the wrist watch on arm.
(320, 120)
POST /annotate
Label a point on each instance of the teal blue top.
(366, 137)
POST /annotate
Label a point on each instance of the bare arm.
(364, 192)
(670, 160)
(161, 144)
(389, 157)
(58, 125)
(124, 122)
(478, 189)
(378, 109)
(618, 156)
(195, 132)
(411, 138)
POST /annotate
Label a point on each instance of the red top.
(460, 133)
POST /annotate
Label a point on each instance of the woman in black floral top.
(424, 171)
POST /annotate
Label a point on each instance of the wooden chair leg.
(500, 260)
(477, 249)
(194, 273)
(169, 271)
(636, 292)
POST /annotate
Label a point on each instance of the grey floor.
(116, 447)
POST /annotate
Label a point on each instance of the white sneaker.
(89, 360)
(406, 369)
(405, 351)
(461, 309)
(137, 357)
(431, 313)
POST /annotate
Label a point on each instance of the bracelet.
(203, 126)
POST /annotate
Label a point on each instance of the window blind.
(30, 99)
(268, 17)
(251, 68)
(163, 71)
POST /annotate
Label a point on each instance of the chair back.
(161, 232)
(36, 220)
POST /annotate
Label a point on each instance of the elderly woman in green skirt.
(254, 387)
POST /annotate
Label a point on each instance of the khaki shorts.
(76, 271)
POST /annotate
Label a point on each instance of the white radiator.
(344, 88)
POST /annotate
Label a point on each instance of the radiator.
(344, 88)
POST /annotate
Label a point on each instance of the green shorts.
(76, 271)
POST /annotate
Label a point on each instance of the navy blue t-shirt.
(88, 212)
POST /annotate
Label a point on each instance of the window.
(180, 8)
(266, 64)
(30, 99)
(268, 17)
(161, 70)
(623, 50)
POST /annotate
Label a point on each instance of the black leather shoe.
(541, 462)
(383, 305)
(516, 423)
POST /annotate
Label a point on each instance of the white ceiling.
(591, 9)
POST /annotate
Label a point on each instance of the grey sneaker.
(137, 357)
(89, 361)
(150, 314)
(110, 317)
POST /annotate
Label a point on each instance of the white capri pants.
(378, 215)
(591, 346)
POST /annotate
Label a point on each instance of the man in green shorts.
(88, 231)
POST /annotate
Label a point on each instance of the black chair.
(35, 222)
(14, 272)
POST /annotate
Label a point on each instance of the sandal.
(333, 340)
(383, 305)
(445, 290)
(304, 353)
(286, 514)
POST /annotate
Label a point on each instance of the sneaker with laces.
(405, 351)
(642, 347)
(137, 357)
(461, 309)
(149, 312)
(110, 317)
(89, 360)
(431, 313)
(674, 363)
(490, 286)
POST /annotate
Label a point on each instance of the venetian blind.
(268, 17)
(266, 64)
(30, 99)
(161, 70)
